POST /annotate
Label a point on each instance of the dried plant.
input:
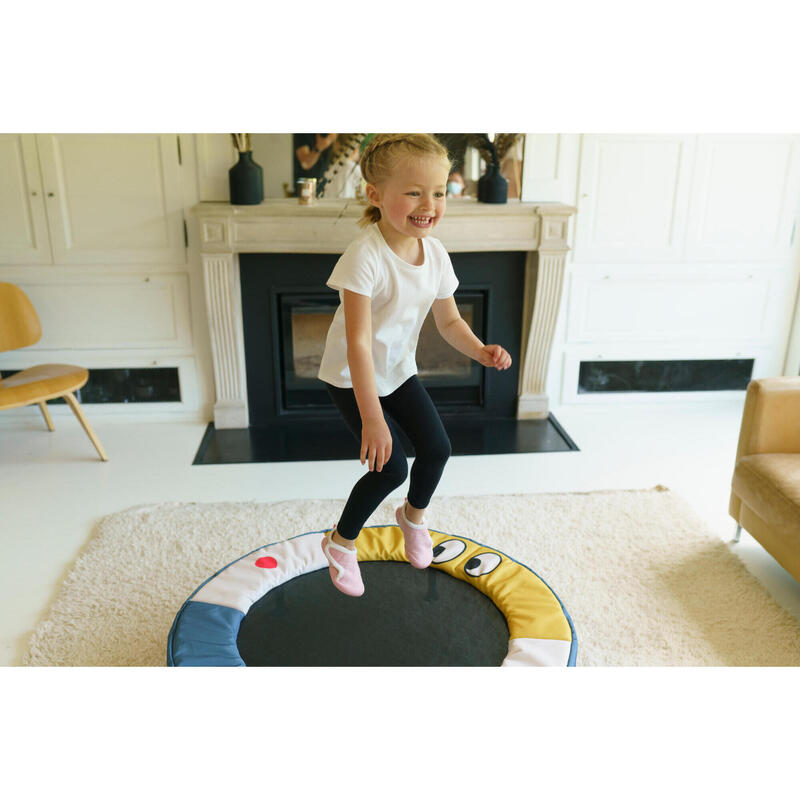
(492, 152)
(483, 144)
(241, 141)
(503, 142)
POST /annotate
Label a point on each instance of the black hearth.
(287, 309)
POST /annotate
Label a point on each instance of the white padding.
(242, 583)
(537, 653)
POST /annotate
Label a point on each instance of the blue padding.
(205, 636)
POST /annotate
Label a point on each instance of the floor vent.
(134, 385)
(597, 377)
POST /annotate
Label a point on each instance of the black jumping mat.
(406, 617)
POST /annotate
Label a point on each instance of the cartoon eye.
(448, 550)
(482, 564)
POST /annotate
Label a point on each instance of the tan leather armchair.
(765, 496)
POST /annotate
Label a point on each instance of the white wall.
(109, 271)
(681, 248)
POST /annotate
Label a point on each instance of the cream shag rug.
(644, 581)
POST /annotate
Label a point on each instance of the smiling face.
(412, 200)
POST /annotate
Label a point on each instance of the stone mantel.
(328, 226)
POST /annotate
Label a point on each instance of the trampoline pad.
(409, 617)
(276, 606)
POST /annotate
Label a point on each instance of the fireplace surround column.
(283, 226)
(224, 310)
(544, 280)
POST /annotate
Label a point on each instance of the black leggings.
(411, 408)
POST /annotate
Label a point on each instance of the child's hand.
(376, 443)
(492, 355)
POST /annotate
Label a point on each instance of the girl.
(388, 279)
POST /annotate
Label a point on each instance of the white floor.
(53, 488)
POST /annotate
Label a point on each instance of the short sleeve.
(448, 283)
(355, 271)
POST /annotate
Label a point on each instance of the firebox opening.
(287, 309)
(452, 379)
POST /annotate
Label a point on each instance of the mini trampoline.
(276, 606)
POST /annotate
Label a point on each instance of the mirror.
(286, 156)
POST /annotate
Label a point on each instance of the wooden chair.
(20, 327)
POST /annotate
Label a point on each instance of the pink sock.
(419, 525)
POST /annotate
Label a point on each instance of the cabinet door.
(23, 220)
(550, 167)
(215, 156)
(633, 197)
(113, 198)
(745, 197)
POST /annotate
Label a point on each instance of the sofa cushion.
(770, 484)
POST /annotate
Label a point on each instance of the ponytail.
(371, 215)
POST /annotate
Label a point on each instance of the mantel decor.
(492, 186)
(245, 178)
(328, 226)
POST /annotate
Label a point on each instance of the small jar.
(306, 191)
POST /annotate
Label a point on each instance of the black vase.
(492, 186)
(246, 180)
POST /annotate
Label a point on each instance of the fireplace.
(286, 311)
(264, 271)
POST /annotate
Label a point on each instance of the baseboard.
(105, 413)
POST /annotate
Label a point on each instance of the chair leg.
(47, 418)
(738, 534)
(78, 411)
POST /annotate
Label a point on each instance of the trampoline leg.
(738, 534)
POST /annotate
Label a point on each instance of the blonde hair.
(381, 155)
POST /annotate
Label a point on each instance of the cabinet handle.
(34, 193)
(50, 194)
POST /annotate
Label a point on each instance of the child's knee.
(395, 471)
(438, 451)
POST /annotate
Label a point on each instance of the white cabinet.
(686, 198)
(91, 199)
(684, 248)
(550, 168)
(633, 198)
(23, 219)
(744, 198)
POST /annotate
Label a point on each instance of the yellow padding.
(531, 609)
(381, 544)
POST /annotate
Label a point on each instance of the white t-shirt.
(401, 297)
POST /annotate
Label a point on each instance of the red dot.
(268, 562)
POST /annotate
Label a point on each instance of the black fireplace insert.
(287, 309)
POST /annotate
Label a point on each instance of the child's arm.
(458, 334)
(376, 438)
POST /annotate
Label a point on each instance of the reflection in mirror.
(331, 158)
(285, 157)
(470, 157)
